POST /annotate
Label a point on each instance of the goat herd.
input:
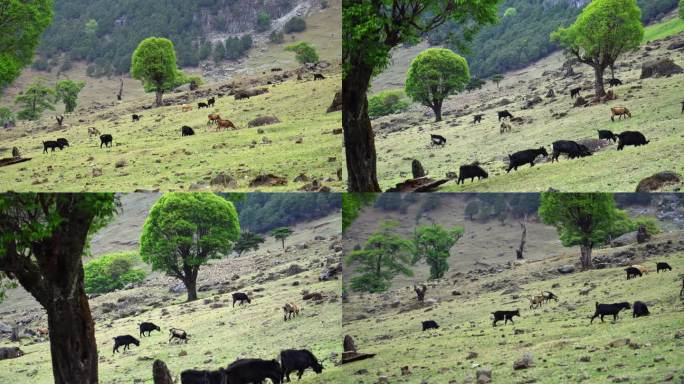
(639, 308)
(572, 149)
(241, 371)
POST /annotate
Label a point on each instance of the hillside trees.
(261, 212)
(384, 255)
(42, 240)
(602, 32)
(183, 231)
(370, 31)
(67, 91)
(248, 240)
(435, 74)
(263, 22)
(352, 203)
(432, 244)
(35, 100)
(582, 219)
(22, 23)
(154, 64)
(281, 233)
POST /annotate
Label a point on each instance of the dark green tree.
(22, 23)
(352, 203)
(35, 100)
(434, 75)
(497, 78)
(219, 52)
(681, 9)
(263, 22)
(42, 240)
(602, 32)
(67, 91)
(154, 64)
(385, 255)
(281, 233)
(475, 83)
(432, 244)
(305, 53)
(472, 209)
(370, 30)
(183, 231)
(248, 240)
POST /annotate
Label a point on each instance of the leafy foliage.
(281, 233)
(387, 102)
(475, 83)
(35, 100)
(248, 240)
(304, 52)
(432, 244)
(295, 24)
(352, 204)
(21, 25)
(261, 212)
(113, 271)
(263, 21)
(434, 75)
(154, 64)
(6, 116)
(67, 91)
(276, 37)
(385, 255)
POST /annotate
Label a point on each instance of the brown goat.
(224, 124)
(505, 127)
(186, 107)
(620, 112)
(290, 310)
(536, 301)
(641, 268)
(213, 118)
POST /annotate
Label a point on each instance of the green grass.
(556, 335)
(663, 29)
(158, 158)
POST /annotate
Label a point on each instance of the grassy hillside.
(218, 332)
(656, 111)
(156, 157)
(663, 29)
(564, 347)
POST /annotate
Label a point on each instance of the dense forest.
(261, 212)
(106, 32)
(522, 34)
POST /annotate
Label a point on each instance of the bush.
(625, 224)
(276, 37)
(111, 272)
(6, 116)
(305, 52)
(295, 24)
(263, 21)
(387, 102)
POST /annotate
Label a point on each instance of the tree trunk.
(119, 96)
(585, 256)
(359, 141)
(158, 100)
(283, 242)
(160, 373)
(191, 285)
(437, 109)
(521, 250)
(598, 86)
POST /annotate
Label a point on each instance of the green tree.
(276, 37)
(205, 50)
(510, 12)
(183, 231)
(295, 24)
(22, 23)
(35, 100)
(6, 116)
(219, 52)
(91, 28)
(384, 255)
(432, 244)
(475, 83)
(304, 52)
(497, 78)
(472, 209)
(263, 22)
(44, 255)
(602, 32)
(387, 102)
(435, 74)
(111, 272)
(370, 31)
(281, 233)
(352, 204)
(583, 219)
(67, 91)
(248, 240)
(154, 64)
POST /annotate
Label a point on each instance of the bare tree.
(519, 252)
(60, 119)
(119, 96)
(420, 292)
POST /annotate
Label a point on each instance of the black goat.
(571, 148)
(211, 101)
(632, 272)
(505, 316)
(244, 371)
(614, 82)
(126, 341)
(471, 172)
(438, 140)
(148, 327)
(607, 135)
(575, 92)
(527, 156)
(201, 105)
(640, 309)
(430, 324)
(241, 297)
(298, 360)
(187, 131)
(63, 141)
(136, 117)
(662, 266)
(193, 376)
(548, 295)
(504, 114)
(634, 138)
(608, 310)
(318, 76)
(106, 140)
(477, 119)
(52, 145)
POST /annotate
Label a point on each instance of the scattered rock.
(97, 172)
(658, 181)
(120, 163)
(471, 355)
(263, 120)
(484, 376)
(182, 353)
(565, 269)
(524, 362)
(223, 180)
(267, 180)
(661, 67)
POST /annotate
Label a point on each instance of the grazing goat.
(662, 266)
(241, 297)
(632, 272)
(438, 140)
(430, 324)
(187, 131)
(148, 327)
(536, 301)
(318, 76)
(527, 156)
(505, 316)
(136, 117)
(471, 171)
(126, 341)
(106, 140)
(179, 334)
(244, 371)
(63, 141)
(571, 148)
(52, 145)
(42, 331)
(607, 135)
(201, 105)
(213, 118)
(620, 112)
(504, 114)
(224, 124)
(614, 82)
(477, 119)
(640, 309)
(575, 92)
(211, 101)
(298, 360)
(93, 132)
(641, 268)
(186, 107)
(193, 376)
(290, 309)
(634, 138)
(608, 310)
(504, 127)
(548, 296)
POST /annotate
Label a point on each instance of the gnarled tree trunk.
(585, 256)
(598, 82)
(158, 99)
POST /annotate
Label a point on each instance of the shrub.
(276, 37)
(6, 116)
(111, 272)
(263, 21)
(625, 224)
(295, 24)
(387, 102)
(305, 52)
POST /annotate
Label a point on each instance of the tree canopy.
(434, 75)
(183, 231)
(281, 233)
(305, 53)
(35, 100)
(248, 240)
(154, 64)
(602, 32)
(22, 23)
(67, 91)
(432, 244)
